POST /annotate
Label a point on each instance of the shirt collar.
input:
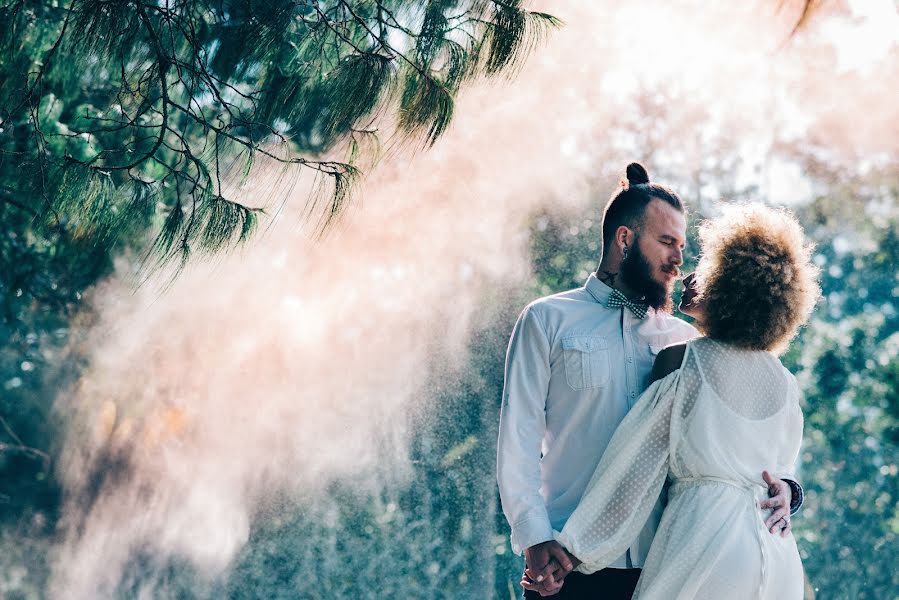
(598, 289)
(601, 292)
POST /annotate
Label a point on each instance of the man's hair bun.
(636, 174)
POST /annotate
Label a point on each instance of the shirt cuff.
(533, 528)
(797, 496)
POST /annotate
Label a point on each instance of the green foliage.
(128, 124)
(130, 127)
(847, 362)
(426, 106)
(173, 95)
(82, 102)
(512, 33)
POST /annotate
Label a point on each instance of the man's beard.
(636, 273)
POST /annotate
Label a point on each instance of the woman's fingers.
(539, 575)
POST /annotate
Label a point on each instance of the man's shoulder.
(559, 301)
(674, 329)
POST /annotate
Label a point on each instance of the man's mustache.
(672, 269)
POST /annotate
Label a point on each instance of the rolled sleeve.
(797, 495)
(533, 528)
(521, 429)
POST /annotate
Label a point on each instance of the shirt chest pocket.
(586, 361)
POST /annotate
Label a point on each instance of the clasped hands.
(548, 563)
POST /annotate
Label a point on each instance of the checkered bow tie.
(617, 300)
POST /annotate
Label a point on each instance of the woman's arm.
(667, 361)
(626, 485)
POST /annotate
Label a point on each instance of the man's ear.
(624, 236)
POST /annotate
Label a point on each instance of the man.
(576, 364)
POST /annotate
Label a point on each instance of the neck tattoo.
(608, 278)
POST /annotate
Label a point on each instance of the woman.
(723, 408)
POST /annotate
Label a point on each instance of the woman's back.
(709, 428)
(737, 413)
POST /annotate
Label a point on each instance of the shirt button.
(629, 359)
(632, 394)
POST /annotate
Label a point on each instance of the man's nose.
(678, 257)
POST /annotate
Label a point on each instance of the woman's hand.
(548, 581)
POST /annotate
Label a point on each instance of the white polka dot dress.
(708, 430)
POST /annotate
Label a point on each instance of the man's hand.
(547, 564)
(779, 499)
(551, 584)
(549, 587)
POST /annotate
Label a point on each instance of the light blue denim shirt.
(574, 368)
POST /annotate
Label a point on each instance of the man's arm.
(521, 428)
(797, 495)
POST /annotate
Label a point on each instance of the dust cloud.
(292, 363)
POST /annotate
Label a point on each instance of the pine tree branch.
(189, 92)
(7, 198)
(21, 447)
(28, 96)
(163, 66)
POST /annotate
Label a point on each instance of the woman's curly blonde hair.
(755, 277)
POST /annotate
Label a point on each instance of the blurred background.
(227, 373)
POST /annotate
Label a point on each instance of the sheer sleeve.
(626, 484)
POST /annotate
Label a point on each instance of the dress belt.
(749, 487)
(752, 489)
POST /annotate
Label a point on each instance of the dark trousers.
(608, 584)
